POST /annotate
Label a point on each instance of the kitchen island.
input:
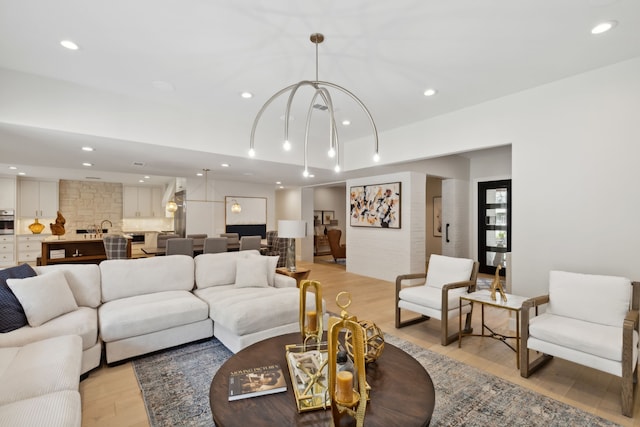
(74, 250)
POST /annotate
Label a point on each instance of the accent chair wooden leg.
(627, 396)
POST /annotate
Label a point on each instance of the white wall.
(386, 253)
(574, 170)
(206, 207)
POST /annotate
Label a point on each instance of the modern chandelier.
(322, 92)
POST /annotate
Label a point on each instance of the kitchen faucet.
(102, 223)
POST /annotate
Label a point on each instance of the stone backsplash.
(87, 203)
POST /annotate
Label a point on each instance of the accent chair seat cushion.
(144, 314)
(427, 296)
(587, 337)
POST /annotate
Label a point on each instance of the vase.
(36, 227)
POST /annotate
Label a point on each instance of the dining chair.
(250, 242)
(214, 245)
(163, 238)
(198, 239)
(180, 246)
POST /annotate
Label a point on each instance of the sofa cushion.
(444, 270)
(215, 269)
(82, 322)
(580, 296)
(123, 278)
(83, 280)
(40, 368)
(43, 297)
(247, 310)
(59, 409)
(12, 315)
(251, 272)
(143, 314)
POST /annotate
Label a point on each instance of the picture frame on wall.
(437, 216)
(375, 205)
(327, 216)
(317, 217)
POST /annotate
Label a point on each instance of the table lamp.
(291, 229)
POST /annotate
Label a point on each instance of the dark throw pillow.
(12, 315)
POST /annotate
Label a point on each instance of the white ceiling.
(387, 53)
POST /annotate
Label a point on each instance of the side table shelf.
(321, 245)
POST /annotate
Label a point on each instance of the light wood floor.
(111, 397)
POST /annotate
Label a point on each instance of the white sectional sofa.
(134, 306)
(39, 383)
(148, 306)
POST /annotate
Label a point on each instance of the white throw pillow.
(251, 272)
(43, 297)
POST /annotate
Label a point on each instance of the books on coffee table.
(257, 381)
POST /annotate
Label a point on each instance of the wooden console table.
(89, 251)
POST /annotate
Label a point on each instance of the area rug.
(175, 387)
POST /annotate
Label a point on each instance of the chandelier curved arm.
(326, 97)
(333, 130)
(287, 111)
(262, 110)
(361, 104)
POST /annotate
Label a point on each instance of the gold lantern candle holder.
(311, 326)
(347, 390)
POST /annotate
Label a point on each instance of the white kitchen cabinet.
(142, 202)
(30, 247)
(38, 199)
(7, 193)
(7, 252)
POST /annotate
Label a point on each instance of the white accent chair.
(591, 320)
(438, 293)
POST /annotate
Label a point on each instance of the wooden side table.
(300, 274)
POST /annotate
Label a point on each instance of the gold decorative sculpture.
(373, 341)
(496, 285)
(57, 229)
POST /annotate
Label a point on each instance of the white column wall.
(387, 253)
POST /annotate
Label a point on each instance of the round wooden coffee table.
(402, 392)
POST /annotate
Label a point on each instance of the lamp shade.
(292, 229)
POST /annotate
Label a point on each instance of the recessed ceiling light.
(246, 95)
(311, 175)
(278, 182)
(21, 173)
(147, 177)
(199, 174)
(13, 168)
(141, 180)
(225, 165)
(87, 164)
(163, 86)
(346, 122)
(69, 45)
(87, 149)
(603, 27)
(430, 92)
(281, 187)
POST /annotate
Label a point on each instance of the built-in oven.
(7, 222)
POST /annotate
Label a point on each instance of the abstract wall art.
(376, 205)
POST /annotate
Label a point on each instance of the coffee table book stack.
(257, 381)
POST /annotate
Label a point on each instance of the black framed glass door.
(494, 224)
